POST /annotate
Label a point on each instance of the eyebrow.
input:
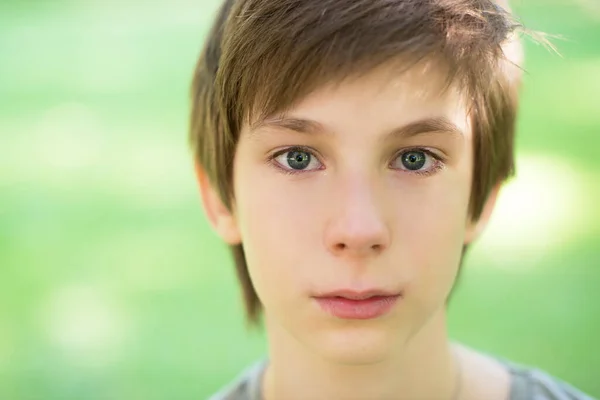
(415, 128)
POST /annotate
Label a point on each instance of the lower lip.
(370, 308)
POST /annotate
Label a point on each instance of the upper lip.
(358, 295)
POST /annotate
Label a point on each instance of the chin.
(358, 345)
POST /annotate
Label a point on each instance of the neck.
(424, 367)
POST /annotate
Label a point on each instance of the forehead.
(384, 98)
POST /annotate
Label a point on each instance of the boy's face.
(337, 195)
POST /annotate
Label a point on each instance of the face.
(361, 186)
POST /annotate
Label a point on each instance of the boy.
(349, 151)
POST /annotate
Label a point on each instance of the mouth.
(361, 305)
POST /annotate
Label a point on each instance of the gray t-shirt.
(527, 384)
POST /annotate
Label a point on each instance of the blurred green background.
(112, 284)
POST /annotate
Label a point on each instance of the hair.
(262, 56)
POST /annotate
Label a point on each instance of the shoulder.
(533, 384)
(246, 386)
(491, 377)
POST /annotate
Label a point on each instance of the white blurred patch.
(153, 173)
(548, 205)
(109, 68)
(66, 140)
(69, 149)
(85, 325)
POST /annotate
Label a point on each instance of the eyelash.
(438, 162)
(272, 157)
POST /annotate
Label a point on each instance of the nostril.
(378, 248)
(341, 246)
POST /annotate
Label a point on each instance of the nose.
(357, 227)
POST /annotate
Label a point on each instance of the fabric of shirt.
(526, 384)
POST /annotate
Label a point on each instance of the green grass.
(113, 286)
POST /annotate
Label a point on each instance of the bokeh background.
(112, 285)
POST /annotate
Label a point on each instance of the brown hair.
(261, 56)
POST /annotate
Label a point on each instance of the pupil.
(413, 160)
(298, 159)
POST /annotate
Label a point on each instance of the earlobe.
(475, 228)
(221, 219)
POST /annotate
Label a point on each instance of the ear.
(222, 220)
(475, 228)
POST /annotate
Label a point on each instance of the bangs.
(276, 52)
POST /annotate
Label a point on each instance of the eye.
(416, 161)
(296, 160)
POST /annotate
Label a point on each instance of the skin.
(357, 218)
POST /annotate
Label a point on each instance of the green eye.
(298, 159)
(413, 160)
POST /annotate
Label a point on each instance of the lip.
(348, 304)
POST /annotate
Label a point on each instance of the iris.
(298, 159)
(413, 160)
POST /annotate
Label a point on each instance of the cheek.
(278, 228)
(277, 216)
(434, 216)
(435, 223)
